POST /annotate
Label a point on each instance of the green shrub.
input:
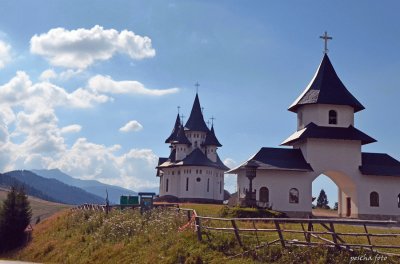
(241, 212)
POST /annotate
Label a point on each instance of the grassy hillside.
(128, 237)
(40, 208)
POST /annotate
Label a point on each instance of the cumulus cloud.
(47, 75)
(20, 91)
(104, 84)
(30, 136)
(131, 126)
(71, 129)
(5, 54)
(230, 179)
(82, 47)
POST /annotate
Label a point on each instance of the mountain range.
(49, 189)
(91, 186)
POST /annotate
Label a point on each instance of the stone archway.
(347, 197)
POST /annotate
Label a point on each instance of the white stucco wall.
(340, 161)
(319, 114)
(196, 189)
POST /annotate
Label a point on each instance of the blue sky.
(252, 60)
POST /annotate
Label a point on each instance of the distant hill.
(40, 208)
(91, 186)
(56, 190)
(6, 181)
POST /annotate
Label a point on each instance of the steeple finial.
(212, 120)
(325, 37)
(179, 108)
(182, 117)
(197, 87)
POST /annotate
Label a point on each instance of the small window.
(220, 187)
(208, 185)
(374, 199)
(166, 186)
(264, 195)
(332, 117)
(293, 195)
(398, 200)
(299, 118)
(195, 144)
(198, 179)
(187, 184)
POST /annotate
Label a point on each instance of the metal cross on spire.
(197, 87)
(179, 108)
(325, 37)
(183, 121)
(212, 120)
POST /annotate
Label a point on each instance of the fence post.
(278, 228)
(367, 234)
(334, 235)
(198, 227)
(306, 235)
(235, 229)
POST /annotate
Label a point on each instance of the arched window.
(374, 199)
(332, 117)
(166, 186)
(293, 195)
(398, 200)
(264, 195)
(299, 119)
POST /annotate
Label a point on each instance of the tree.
(336, 206)
(322, 201)
(15, 216)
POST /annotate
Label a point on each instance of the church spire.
(326, 88)
(211, 139)
(175, 130)
(196, 119)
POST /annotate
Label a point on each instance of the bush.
(240, 212)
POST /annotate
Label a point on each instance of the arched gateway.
(325, 142)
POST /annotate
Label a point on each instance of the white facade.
(193, 171)
(368, 183)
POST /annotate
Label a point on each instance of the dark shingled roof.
(211, 139)
(196, 158)
(379, 164)
(314, 131)
(196, 120)
(279, 159)
(160, 161)
(172, 156)
(326, 88)
(220, 164)
(175, 130)
(181, 137)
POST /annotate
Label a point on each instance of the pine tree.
(15, 215)
(322, 201)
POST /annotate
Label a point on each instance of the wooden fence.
(308, 235)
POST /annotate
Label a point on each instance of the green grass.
(128, 237)
(40, 208)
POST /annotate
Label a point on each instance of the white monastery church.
(326, 142)
(193, 171)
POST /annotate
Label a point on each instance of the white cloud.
(230, 163)
(131, 126)
(71, 129)
(82, 47)
(47, 75)
(5, 54)
(104, 84)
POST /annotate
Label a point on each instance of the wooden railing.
(307, 235)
